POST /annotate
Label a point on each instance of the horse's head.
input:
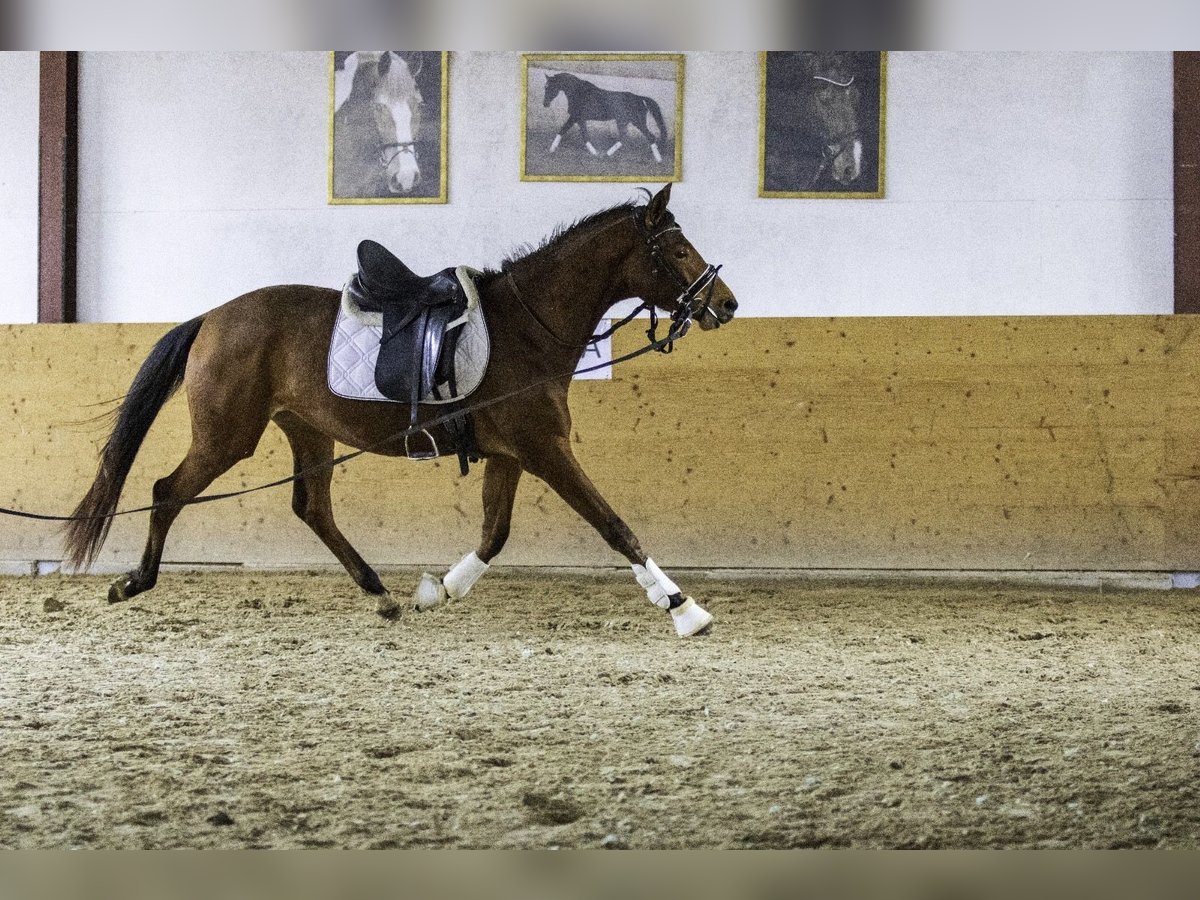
(554, 86)
(396, 108)
(833, 106)
(667, 271)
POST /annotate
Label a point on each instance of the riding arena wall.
(1016, 444)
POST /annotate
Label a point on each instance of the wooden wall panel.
(976, 443)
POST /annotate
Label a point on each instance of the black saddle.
(416, 354)
(383, 280)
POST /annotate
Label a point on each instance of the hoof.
(120, 590)
(691, 619)
(430, 593)
(387, 607)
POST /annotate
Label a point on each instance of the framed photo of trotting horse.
(388, 126)
(822, 117)
(601, 116)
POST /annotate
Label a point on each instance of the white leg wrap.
(557, 141)
(658, 586)
(657, 155)
(591, 149)
(613, 149)
(463, 576)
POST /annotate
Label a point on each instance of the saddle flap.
(413, 338)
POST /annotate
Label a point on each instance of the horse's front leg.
(567, 125)
(587, 141)
(500, 477)
(556, 465)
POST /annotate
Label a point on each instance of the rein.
(680, 322)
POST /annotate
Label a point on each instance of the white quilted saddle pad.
(354, 347)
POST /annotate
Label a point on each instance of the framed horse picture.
(822, 124)
(387, 126)
(601, 116)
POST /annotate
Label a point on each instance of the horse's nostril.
(730, 305)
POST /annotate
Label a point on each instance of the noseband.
(397, 147)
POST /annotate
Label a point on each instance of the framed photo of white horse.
(821, 129)
(601, 117)
(388, 126)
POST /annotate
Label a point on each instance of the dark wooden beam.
(1187, 182)
(58, 181)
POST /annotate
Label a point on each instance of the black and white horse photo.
(387, 116)
(821, 128)
(596, 124)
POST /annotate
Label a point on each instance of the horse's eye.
(681, 253)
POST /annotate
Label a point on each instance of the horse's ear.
(657, 207)
(385, 63)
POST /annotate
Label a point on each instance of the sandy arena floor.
(265, 710)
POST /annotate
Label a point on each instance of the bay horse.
(587, 102)
(375, 124)
(261, 358)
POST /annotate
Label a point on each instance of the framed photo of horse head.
(822, 124)
(601, 116)
(387, 126)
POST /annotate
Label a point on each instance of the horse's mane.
(560, 235)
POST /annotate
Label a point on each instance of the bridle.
(397, 148)
(693, 302)
(831, 149)
(834, 146)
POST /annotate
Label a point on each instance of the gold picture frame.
(634, 154)
(799, 155)
(360, 169)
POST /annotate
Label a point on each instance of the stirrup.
(422, 454)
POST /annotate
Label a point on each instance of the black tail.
(157, 379)
(652, 107)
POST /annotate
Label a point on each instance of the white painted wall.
(1017, 183)
(18, 186)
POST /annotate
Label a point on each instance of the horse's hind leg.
(501, 475)
(650, 138)
(313, 452)
(207, 459)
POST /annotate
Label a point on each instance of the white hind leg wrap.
(659, 587)
(463, 576)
